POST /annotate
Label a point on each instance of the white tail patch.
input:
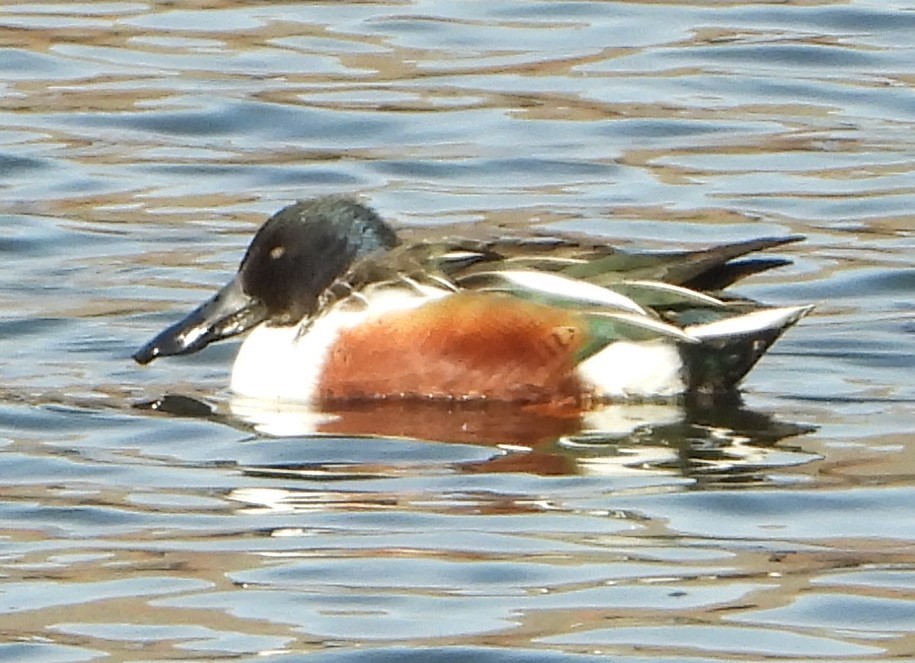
(650, 369)
(749, 323)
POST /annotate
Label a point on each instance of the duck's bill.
(228, 313)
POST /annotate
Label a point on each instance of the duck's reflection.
(710, 442)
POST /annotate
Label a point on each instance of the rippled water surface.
(141, 144)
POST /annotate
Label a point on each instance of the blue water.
(142, 143)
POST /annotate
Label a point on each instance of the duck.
(340, 309)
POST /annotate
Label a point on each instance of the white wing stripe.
(573, 289)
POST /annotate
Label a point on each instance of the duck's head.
(294, 257)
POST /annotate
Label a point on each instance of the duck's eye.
(277, 252)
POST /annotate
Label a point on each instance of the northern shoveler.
(341, 310)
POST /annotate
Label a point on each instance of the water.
(141, 144)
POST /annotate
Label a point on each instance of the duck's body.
(342, 311)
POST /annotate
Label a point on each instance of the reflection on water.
(141, 144)
(706, 442)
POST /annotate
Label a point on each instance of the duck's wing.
(704, 270)
(635, 297)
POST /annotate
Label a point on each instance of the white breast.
(280, 363)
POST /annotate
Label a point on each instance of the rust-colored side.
(465, 346)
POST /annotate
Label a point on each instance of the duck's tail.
(730, 347)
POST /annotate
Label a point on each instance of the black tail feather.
(718, 364)
(723, 276)
(715, 264)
